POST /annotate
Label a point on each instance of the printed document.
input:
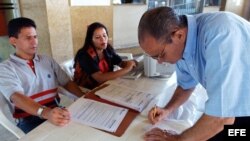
(96, 114)
(130, 98)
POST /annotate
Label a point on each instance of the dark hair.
(90, 32)
(88, 39)
(160, 23)
(15, 25)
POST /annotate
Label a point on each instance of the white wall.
(90, 2)
(125, 22)
(235, 6)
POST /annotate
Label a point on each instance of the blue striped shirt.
(217, 55)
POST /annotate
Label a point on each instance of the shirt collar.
(191, 37)
(22, 61)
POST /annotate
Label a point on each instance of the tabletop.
(180, 120)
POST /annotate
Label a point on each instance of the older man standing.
(211, 49)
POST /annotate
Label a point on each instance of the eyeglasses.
(160, 55)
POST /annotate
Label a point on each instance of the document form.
(96, 114)
(130, 98)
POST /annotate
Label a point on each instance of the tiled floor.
(7, 136)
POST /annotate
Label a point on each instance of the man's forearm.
(25, 103)
(205, 128)
(74, 89)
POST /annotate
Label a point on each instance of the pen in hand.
(57, 103)
(154, 111)
(60, 106)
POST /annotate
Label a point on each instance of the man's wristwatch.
(40, 111)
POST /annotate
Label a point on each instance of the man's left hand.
(158, 134)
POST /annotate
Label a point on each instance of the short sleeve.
(9, 83)
(61, 75)
(115, 58)
(184, 79)
(88, 64)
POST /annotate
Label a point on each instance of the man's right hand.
(156, 114)
(57, 116)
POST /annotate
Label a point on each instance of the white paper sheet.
(96, 114)
(130, 98)
(175, 126)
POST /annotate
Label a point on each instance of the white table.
(163, 90)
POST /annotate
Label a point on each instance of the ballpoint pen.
(57, 103)
(60, 106)
(154, 111)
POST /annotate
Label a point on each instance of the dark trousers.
(29, 123)
(239, 122)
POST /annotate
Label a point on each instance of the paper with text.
(130, 98)
(96, 114)
(173, 126)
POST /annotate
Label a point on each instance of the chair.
(6, 119)
(67, 66)
(67, 97)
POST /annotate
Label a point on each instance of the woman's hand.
(130, 65)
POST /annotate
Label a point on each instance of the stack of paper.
(96, 114)
(130, 98)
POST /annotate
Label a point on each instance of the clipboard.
(130, 116)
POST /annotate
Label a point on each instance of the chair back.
(6, 119)
(67, 66)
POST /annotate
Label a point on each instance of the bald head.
(160, 23)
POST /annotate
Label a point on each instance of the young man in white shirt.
(29, 81)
